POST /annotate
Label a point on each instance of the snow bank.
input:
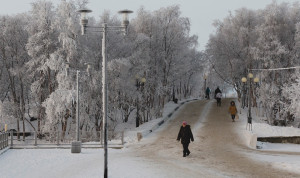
(266, 130)
(260, 129)
(131, 135)
(284, 147)
(250, 139)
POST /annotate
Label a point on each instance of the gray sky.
(202, 13)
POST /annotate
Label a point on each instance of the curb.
(140, 135)
(4, 150)
(250, 139)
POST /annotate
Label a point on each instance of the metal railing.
(59, 138)
(3, 140)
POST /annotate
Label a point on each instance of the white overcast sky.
(202, 13)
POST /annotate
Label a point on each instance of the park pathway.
(216, 152)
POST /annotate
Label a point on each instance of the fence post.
(122, 138)
(6, 139)
(57, 139)
(35, 138)
(1, 141)
(11, 138)
(101, 140)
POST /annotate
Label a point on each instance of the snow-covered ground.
(61, 163)
(262, 129)
(130, 132)
(279, 156)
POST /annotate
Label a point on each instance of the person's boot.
(184, 155)
(188, 153)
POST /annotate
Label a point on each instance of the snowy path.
(216, 152)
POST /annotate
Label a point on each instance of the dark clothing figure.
(207, 92)
(218, 96)
(186, 150)
(232, 117)
(186, 135)
(217, 91)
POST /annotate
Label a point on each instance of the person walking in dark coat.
(185, 135)
(207, 92)
(218, 96)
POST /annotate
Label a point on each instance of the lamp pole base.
(76, 147)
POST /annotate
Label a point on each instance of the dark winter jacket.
(217, 91)
(207, 91)
(185, 134)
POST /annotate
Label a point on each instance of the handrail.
(3, 140)
(52, 138)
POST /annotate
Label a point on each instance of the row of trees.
(261, 39)
(157, 62)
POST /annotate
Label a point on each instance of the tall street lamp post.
(244, 80)
(104, 29)
(250, 78)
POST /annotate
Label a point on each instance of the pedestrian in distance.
(218, 96)
(232, 110)
(217, 91)
(185, 135)
(207, 92)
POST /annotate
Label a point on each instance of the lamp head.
(83, 13)
(125, 14)
(250, 75)
(83, 19)
(256, 80)
(125, 22)
(244, 79)
(143, 80)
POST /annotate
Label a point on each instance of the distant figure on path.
(186, 135)
(207, 92)
(232, 110)
(218, 96)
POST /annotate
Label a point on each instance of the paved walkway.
(216, 152)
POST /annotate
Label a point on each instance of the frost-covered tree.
(276, 35)
(41, 45)
(157, 62)
(13, 55)
(229, 50)
(164, 37)
(264, 39)
(293, 95)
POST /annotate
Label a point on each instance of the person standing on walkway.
(207, 92)
(232, 110)
(185, 135)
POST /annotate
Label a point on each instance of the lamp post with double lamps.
(244, 92)
(250, 78)
(104, 29)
